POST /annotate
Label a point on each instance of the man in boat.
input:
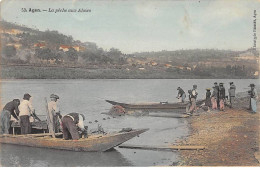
(232, 93)
(181, 94)
(217, 90)
(54, 113)
(26, 110)
(253, 98)
(222, 96)
(72, 123)
(11, 108)
(193, 97)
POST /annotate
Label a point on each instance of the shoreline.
(231, 137)
(31, 72)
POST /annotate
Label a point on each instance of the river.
(88, 97)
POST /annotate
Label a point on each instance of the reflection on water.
(13, 155)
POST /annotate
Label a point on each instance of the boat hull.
(154, 106)
(95, 143)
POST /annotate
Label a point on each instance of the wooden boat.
(94, 143)
(152, 106)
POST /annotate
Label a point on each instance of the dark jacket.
(208, 94)
(222, 93)
(217, 91)
(181, 92)
(75, 116)
(11, 107)
(214, 93)
(232, 90)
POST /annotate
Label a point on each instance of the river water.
(88, 97)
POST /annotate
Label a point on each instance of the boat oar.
(35, 116)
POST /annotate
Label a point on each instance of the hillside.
(23, 46)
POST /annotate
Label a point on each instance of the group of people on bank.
(217, 99)
(69, 124)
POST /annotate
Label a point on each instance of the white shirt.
(81, 122)
(194, 92)
(25, 108)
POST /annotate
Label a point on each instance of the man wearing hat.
(214, 98)
(181, 94)
(208, 98)
(222, 96)
(11, 108)
(253, 98)
(26, 110)
(217, 90)
(232, 93)
(193, 97)
(54, 113)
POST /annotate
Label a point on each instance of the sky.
(139, 26)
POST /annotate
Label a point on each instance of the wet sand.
(231, 138)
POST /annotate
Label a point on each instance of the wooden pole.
(171, 147)
(49, 121)
(171, 116)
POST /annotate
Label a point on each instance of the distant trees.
(237, 70)
(44, 54)
(116, 56)
(9, 51)
(72, 55)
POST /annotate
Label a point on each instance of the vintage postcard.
(132, 83)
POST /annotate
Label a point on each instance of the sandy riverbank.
(231, 138)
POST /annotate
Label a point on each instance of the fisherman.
(214, 98)
(232, 93)
(208, 98)
(54, 113)
(221, 97)
(26, 110)
(253, 98)
(11, 108)
(181, 94)
(71, 124)
(217, 90)
(193, 97)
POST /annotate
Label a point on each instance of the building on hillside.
(12, 31)
(188, 68)
(79, 48)
(40, 45)
(15, 45)
(153, 63)
(179, 67)
(168, 65)
(67, 47)
(64, 47)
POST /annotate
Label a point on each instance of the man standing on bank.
(26, 110)
(222, 97)
(54, 113)
(217, 91)
(193, 96)
(253, 98)
(232, 93)
(181, 94)
(71, 124)
(11, 108)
